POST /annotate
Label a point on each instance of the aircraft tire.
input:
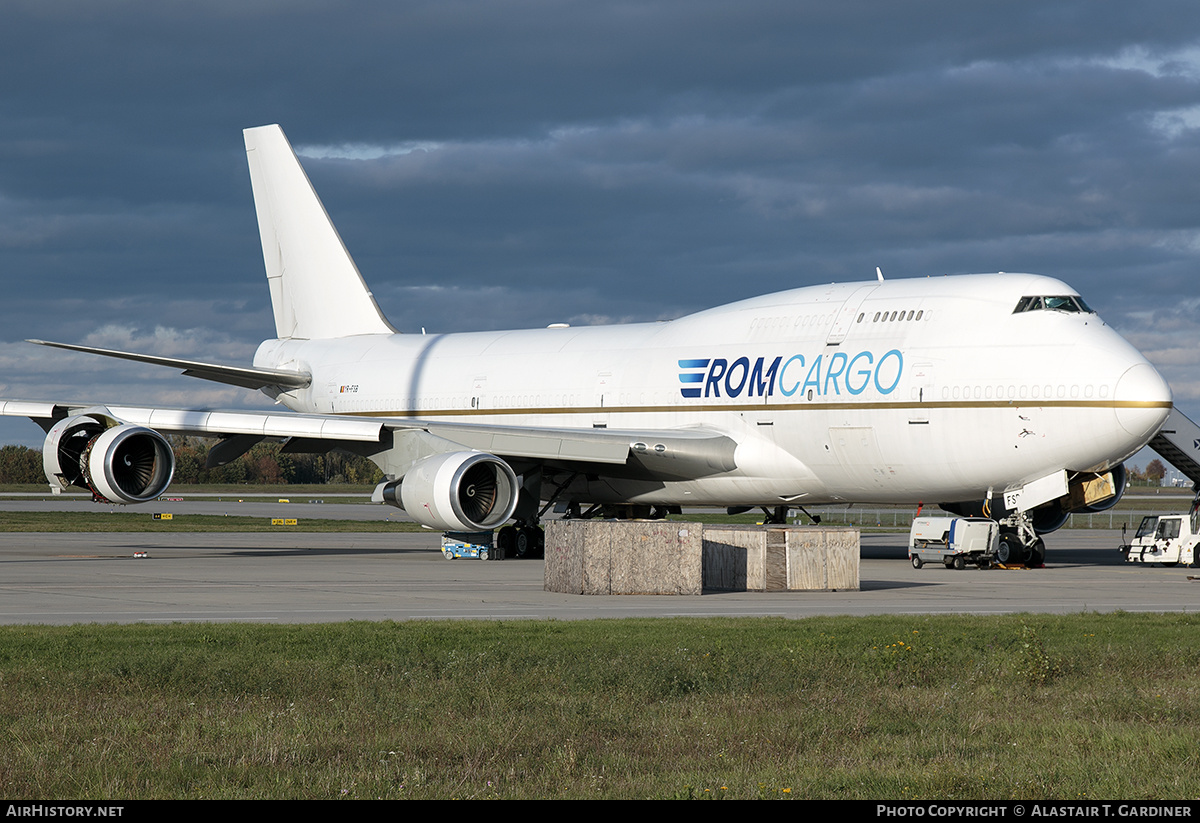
(1009, 550)
(1037, 554)
(526, 545)
(506, 541)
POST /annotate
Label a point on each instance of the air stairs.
(1178, 442)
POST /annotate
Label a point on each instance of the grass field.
(1084, 707)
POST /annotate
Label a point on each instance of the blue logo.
(689, 377)
(824, 376)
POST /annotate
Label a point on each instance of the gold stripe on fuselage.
(814, 406)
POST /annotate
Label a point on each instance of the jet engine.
(456, 491)
(1049, 518)
(118, 462)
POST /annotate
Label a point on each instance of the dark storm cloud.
(497, 164)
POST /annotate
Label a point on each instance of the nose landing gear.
(1019, 544)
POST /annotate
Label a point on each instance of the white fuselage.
(905, 390)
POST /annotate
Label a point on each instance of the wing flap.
(665, 452)
(535, 444)
(31, 409)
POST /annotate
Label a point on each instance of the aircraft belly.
(717, 491)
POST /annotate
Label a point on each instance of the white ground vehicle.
(1169, 539)
(955, 541)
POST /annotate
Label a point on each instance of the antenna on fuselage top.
(879, 273)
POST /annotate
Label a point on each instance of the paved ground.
(295, 577)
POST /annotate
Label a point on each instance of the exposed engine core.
(117, 462)
(457, 491)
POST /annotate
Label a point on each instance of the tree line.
(265, 463)
(1152, 475)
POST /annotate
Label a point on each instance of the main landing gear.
(521, 541)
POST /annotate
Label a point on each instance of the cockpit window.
(1068, 303)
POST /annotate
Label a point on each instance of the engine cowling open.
(1087, 492)
(118, 462)
(1114, 481)
(457, 491)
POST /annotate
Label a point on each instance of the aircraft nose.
(1143, 401)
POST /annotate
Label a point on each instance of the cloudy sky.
(513, 163)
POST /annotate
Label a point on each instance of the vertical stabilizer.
(316, 290)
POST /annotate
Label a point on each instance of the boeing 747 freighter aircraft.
(995, 394)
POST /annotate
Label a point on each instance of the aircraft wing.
(667, 453)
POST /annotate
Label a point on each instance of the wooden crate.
(662, 557)
(781, 558)
(623, 557)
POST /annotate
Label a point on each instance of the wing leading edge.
(669, 453)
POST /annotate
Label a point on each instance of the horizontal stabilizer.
(1178, 441)
(249, 378)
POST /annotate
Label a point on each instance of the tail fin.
(316, 290)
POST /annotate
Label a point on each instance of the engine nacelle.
(1049, 518)
(117, 462)
(457, 491)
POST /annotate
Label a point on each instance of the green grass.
(1083, 707)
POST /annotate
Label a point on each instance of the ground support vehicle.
(469, 544)
(1169, 539)
(954, 541)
